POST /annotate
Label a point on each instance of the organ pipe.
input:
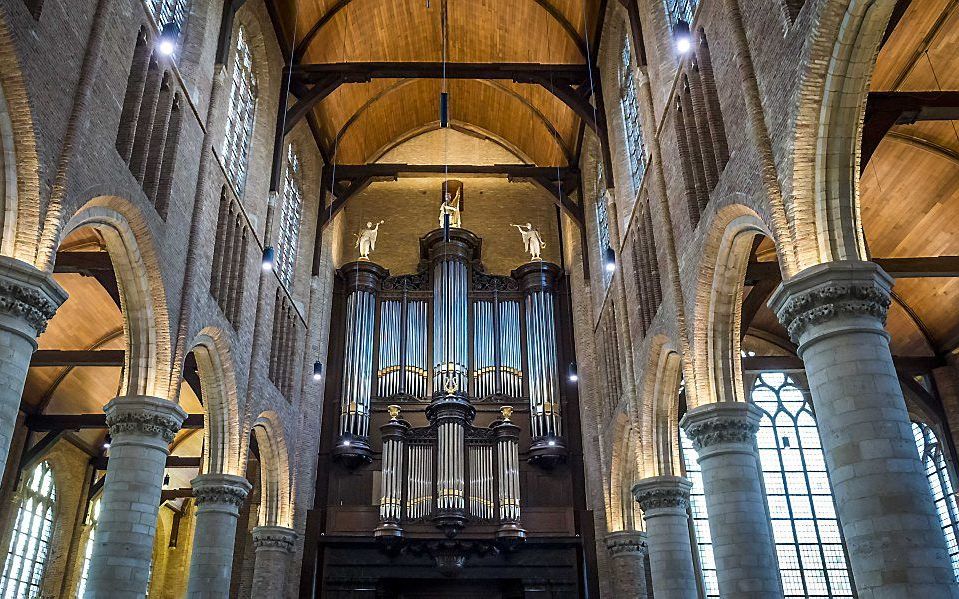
(507, 452)
(450, 260)
(362, 280)
(391, 502)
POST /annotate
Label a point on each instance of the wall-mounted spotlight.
(317, 370)
(609, 259)
(269, 258)
(444, 109)
(573, 373)
(682, 37)
(168, 38)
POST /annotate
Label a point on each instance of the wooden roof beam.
(334, 10)
(899, 268)
(904, 364)
(884, 110)
(67, 357)
(75, 422)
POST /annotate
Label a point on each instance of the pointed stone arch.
(146, 324)
(716, 341)
(841, 54)
(660, 416)
(275, 482)
(221, 430)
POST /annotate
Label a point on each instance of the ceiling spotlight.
(317, 370)
(269, 258)
(573, 374)
(682, 37)
(168, 38)
(551, 443)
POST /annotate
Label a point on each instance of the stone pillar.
(141, 430)
(835, 312)
(28, 299)
(273, 547)
(218, 500)
(627, 559)
(724, 436)
(664, 501)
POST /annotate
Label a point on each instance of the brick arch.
(275, 481)
(716, 341)
(221, 430)
(146, 325)
(19, 163)
(659, 423)
(626, 468)
(841, 54)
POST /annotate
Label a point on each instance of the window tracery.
(629, 102)
(241, 114)
(940, 483)
(290, 216)
(30, 541)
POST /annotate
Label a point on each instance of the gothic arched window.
(30, 541)
(809, 545)
(93, 518)
(602, 219)
(242, 109)
(290, 216)
(943, 493)
(700, 518)
(635, 146)
(680, 10)
(169, 11)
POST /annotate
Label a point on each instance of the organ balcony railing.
(450, 472)
(408, 338)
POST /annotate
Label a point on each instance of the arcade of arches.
(460, 298)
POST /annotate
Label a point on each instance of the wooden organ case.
(451, 455)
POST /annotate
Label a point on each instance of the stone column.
(664, 501)
(273, 547)
(218, 500)
(28, 299)
(835, 312)
(724, 436)
(627, 559)
(141, 430)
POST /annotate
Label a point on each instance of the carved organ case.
(447, 422)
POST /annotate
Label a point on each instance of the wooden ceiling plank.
(65, 357)
(887, 109)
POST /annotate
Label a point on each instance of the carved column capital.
(662, 492)
(28, 293)
(279, 538)
(145, 416)
(827, 291)
(627, 542)
(225, 489)
(725, 423)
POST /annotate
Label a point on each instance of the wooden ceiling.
(359, 121)
(910, 188)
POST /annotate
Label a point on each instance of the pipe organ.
(450, 399)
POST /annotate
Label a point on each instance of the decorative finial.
(506, 411)
(394, 411)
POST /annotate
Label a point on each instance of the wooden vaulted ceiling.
(360, 121)
(910, 187)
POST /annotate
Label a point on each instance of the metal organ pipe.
(507, 453)
(394, 436)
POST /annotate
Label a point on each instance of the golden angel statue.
(451, 207)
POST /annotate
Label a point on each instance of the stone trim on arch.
(660, 422)
(146, 323)
(716, 344)
(276, 484)
(221, 430)
(841, 52)
(626, 469)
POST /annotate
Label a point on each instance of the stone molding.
(28, 293)
(721, 424)
(627, 543)
(144, 415)
(662, 492)
(274, 537)
(220, 488)
(825, 291)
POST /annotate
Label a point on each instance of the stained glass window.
(30, 541)
(943, 493)
(812, 560)
(290, 216)
(169, 11)
(700, 517)
(239, 130)
(93, 518)
(629, 102)
(680, 10)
